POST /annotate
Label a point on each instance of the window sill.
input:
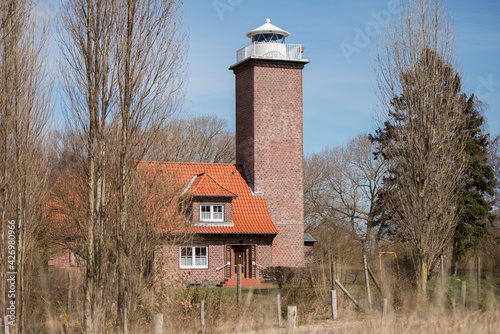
(198, 267)
(213, 223)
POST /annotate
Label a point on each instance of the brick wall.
(288, 246)
(167, 257)
(269, 140)
(225, 201)
(60, 260)
(65, 259)
(309, 253)
(245, 116)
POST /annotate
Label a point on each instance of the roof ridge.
(186, 163)
(198, 181)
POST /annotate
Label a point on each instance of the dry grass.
(257, 313)
(260, 317)
(222, 313)
(433, 321)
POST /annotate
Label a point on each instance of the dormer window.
(210, 204)
(212, 213)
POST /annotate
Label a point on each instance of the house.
(251, 212)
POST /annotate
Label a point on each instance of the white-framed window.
(193, 257)
(212, 213)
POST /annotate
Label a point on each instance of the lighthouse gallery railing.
(270, 50)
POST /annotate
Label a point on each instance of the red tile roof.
(204, 185)
(67, 200)
(65, 207)
(249, 213)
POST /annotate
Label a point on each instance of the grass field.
(258, 310)
(442, 312)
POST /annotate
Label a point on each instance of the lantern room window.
(268, 38)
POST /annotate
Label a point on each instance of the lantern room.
(268, 33)
(268, 42)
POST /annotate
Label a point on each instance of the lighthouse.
(269, 133)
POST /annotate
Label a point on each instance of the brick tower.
(269, 133)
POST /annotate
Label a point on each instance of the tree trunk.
(4, 192)
(90, 261)
(422, 280)
(123, 293)
(454, 262)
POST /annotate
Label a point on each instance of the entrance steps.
(245, 283)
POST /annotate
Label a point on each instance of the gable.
(204, 185)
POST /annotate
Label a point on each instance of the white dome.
(268, 28)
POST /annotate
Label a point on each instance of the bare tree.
(356, 179)
(150, 55)
(87, 45)
(341, 189)
(24, 105)
(418, 91)
(194, 139)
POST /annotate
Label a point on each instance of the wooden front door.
(240, 255)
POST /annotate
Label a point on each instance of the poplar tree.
(418, 86)
(123, 62)
(87, 46)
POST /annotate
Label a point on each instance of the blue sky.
(339, 98)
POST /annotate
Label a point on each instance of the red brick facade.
(220, 251)
(269, 140)
(65, 259)
(224, 201)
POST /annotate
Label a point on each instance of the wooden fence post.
(464, 292)
(202, 316)
(347, 293)
(334, 304)
(375, 281)
(238, 283)
(158, 323)
(125, 321)
(478, 281)
(279, 309)
(333, 274)
(384, 312)
(442, 271)
(334, 291)
(291, 319)
(70, 288)
(367, 282)
(5, 322)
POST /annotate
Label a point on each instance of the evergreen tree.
(479, 181)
